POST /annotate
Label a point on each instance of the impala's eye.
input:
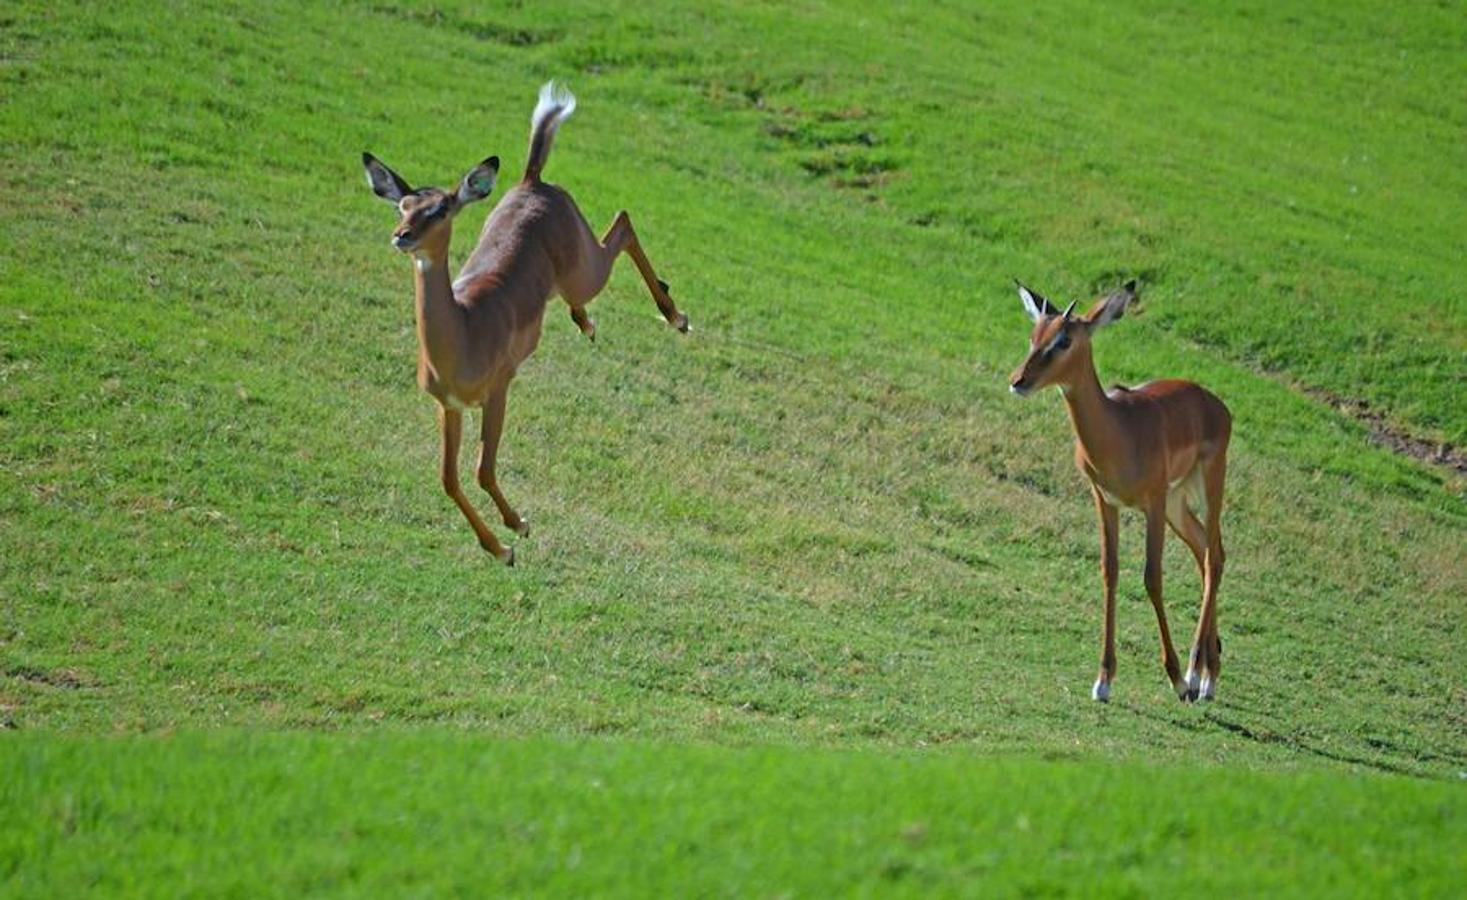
(1062, 342)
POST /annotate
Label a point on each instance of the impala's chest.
(1116, 481)
(452, 402)
(453, 394)
(1123, 495)
(1130, 488)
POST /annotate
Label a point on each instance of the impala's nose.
(401, 241)
(1017, 386)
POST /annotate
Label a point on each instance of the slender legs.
(583, 286)
(1155, 543)
(583, 322)
(1205, 542)
(619, 237)
(1206, 657)
(488, 452)
(1109, 569)
(452, 422)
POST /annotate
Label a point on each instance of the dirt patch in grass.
(1385, 434)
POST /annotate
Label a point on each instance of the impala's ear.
(384, 182)
(479, 182)
(1036, 306)
(1112, 307)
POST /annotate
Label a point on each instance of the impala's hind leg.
(488, 455)
(619, 237)
(1194, 535)
(582, 281)
(1208, 646)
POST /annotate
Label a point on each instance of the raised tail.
(555, 106)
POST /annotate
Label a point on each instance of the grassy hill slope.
(819, 520)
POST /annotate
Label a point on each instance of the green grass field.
(812, 603)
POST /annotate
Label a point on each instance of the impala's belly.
(1133, 498)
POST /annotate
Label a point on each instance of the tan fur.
(474, 332)
(1160, 448)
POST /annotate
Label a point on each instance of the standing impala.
(1161, 448)
(473, 333)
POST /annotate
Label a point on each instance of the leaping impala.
(1161, 448)
(474, 333)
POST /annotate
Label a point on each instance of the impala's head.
(1059, 345)
(426, 213)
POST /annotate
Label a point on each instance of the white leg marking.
(1100, 692)
(1207, 689)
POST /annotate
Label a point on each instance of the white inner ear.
(476, 185)
(1031, 306)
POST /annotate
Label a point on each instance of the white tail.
(555, 105)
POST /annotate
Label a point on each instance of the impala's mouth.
(403, 242)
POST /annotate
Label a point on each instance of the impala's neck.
(1092, 413)
(440, 318)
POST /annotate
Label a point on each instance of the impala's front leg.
(619, 237)
(1109, 568)
(488, 455)
(1155, 544)
(583, 322)
(452, 421)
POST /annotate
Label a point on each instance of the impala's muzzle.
(403, 242)
(1021, 382)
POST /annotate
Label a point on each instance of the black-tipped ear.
(477, 184)
(1035, 305)
(384, 182)
(1112, 307)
